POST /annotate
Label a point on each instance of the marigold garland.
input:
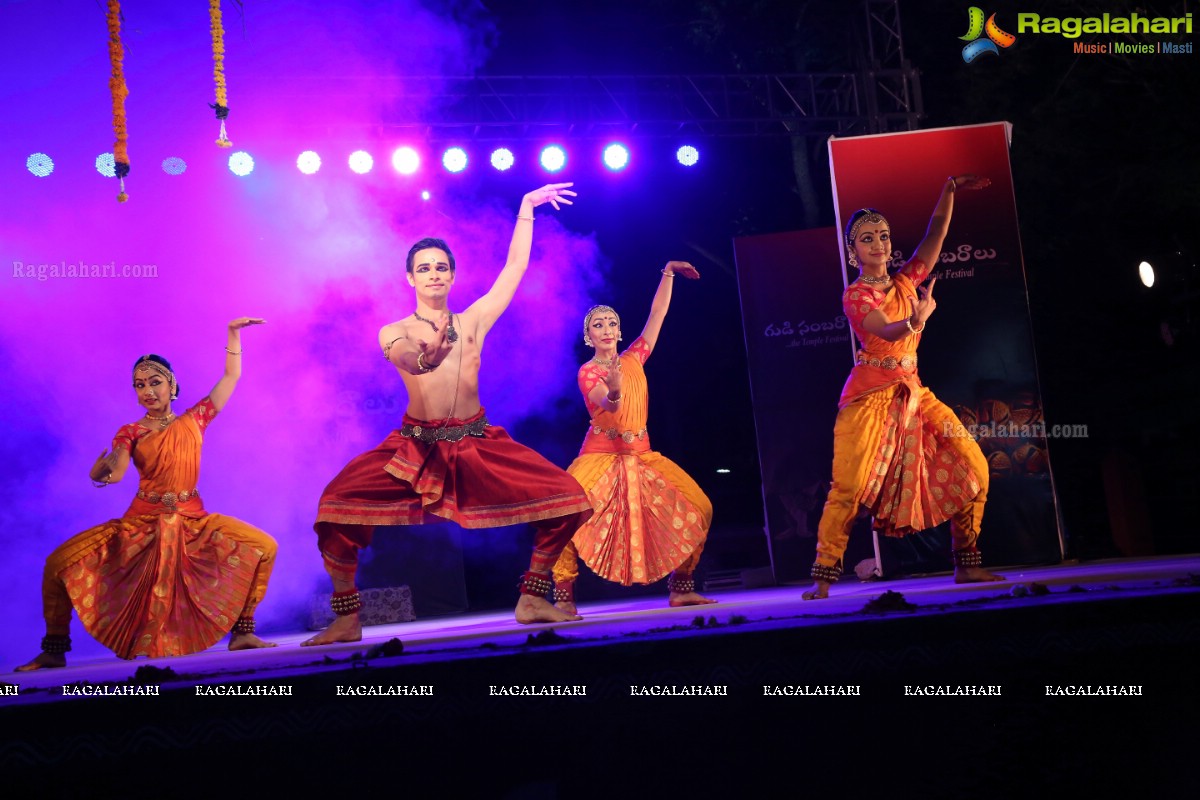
(119, 90)
(218, 47)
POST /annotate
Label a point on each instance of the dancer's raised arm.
(492, 305)
(233, 361)
(662, 298)
(930, 247)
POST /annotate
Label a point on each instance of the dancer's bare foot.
(536, 609)
(975, 575)
(247, 641)
(343, 629)
(44, 661)
(567, 607)
(819, 591)
(564, 597)
(678, 599)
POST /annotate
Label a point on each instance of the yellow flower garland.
(218, 47)
(116, 85)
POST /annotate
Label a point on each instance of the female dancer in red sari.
(168, 578)
(894, 451)
(650, 518)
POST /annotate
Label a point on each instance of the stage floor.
(615, 622)
(1066, 660)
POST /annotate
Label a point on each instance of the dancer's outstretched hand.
(552, 193)
(682, 268)
(971, 182)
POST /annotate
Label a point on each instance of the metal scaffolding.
(884, 95)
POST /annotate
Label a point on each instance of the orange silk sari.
(918, 476)
(163, 580)
(649, 515)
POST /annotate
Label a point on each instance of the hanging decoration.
(116, 85)
(221, 107)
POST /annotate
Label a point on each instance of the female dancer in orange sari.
(650, 518)
(894, 448)
(167, 578)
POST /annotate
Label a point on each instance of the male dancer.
(446, 460)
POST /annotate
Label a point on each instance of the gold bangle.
(911, 329)
(421, 365)
(953, 184)
(527, 218)
(613, 400)
(668, 274)
(238, 353)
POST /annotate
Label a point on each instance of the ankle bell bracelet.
(534, 584)
(345, 603)
(56, 645)
(681, 585)
(820, 572)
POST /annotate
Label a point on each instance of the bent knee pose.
(167, 578)
(446, 460)
(893, 448)
(650, 517)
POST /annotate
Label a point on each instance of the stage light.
(722, 471)
(40, 164)
(361, 162)
(616, 157)
(241, 164)
(106, 165)
(174, 165)
(687, 155)
(425, 194)
(1146, 273)
(502, 158)
(455, 159)
(308, 162)
(406, 161)
(553, 158)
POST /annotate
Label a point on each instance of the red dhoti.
(480, 481)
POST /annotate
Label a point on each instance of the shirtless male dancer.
(446, 460)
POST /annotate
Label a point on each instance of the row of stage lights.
(405, 160)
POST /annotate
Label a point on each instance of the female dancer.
(650, 517)
(893, 445)
(168, 578)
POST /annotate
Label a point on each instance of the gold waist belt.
(168, 499)
(888, 362)
(452, 433)
(626, 436)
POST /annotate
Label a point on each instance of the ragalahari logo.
(996, 38)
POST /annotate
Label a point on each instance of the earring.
(588, 342)
(852, 260)
(620, 338)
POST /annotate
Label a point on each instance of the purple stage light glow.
(361, 162)
(553, 158)
(308, 162)
(40, 164)
(616, 157)
(455, 159)
(687, 155)
(241, 164)
(406, 161)
(502, 158)
(321, 260)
